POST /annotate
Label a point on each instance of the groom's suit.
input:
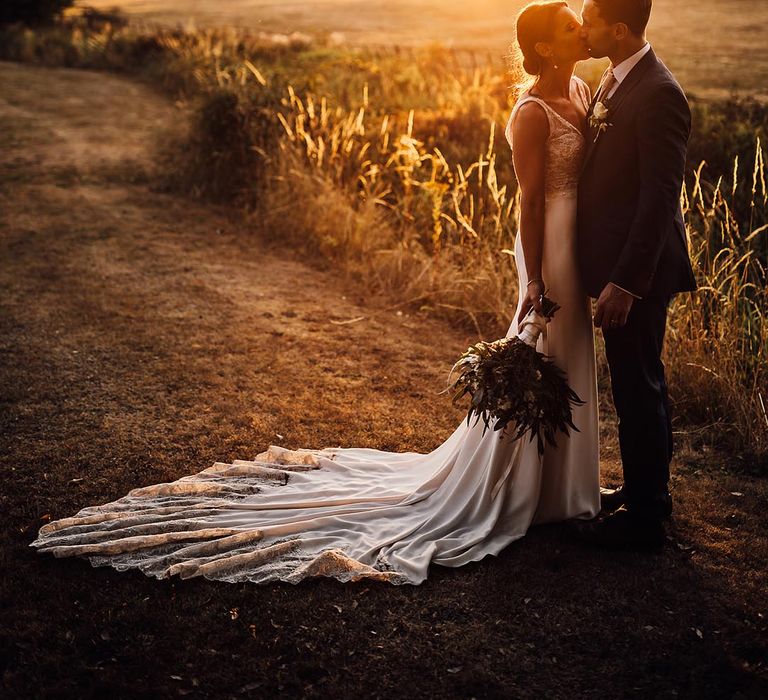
(631, 233)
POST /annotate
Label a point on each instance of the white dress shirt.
(621, 71)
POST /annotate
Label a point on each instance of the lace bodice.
(566, 145)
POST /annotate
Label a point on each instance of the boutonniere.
(599, 119)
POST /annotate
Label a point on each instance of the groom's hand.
(612, 308)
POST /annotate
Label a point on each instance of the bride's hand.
(534, 293)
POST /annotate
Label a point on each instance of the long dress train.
(353, 513)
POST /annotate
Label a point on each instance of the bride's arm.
(530, 131)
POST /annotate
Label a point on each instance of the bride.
(352, 513)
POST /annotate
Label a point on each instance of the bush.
(722, 131)
(227, 153)
(725, 129)
(32, 12)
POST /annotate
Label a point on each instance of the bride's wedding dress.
(352, 513)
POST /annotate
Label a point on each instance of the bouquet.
(510, 382)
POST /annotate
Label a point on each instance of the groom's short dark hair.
(634, 13)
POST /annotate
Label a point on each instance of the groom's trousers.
(640, 396)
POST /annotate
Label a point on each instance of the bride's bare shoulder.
(528, 114)
(528, 122)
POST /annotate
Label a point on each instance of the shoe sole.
(607, 511)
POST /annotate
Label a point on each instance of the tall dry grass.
(719, 335)
(394, 167)
(446, 230)
(455, 227)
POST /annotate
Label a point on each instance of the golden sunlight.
(714, 46)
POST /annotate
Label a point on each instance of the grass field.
(714, 46)
(144, 335)
(400, 160)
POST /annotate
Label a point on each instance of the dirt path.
(144, 336)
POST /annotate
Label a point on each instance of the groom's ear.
(620, 31)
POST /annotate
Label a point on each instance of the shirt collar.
(622, 70)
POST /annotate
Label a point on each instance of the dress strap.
(516, 108)
(537, 100)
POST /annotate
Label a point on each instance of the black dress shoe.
(623, 530)
(613, 499)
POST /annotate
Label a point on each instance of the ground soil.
(144, 335)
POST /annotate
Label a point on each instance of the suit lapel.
(631, 81)
(625, 87)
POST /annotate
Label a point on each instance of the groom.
(633, 255)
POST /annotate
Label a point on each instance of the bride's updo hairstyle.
(534, 24)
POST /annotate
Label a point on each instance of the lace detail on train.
(170, 530)
(566, 145)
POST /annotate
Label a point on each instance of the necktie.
(608, 84)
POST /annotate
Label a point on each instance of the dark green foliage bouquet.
(509, 382)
